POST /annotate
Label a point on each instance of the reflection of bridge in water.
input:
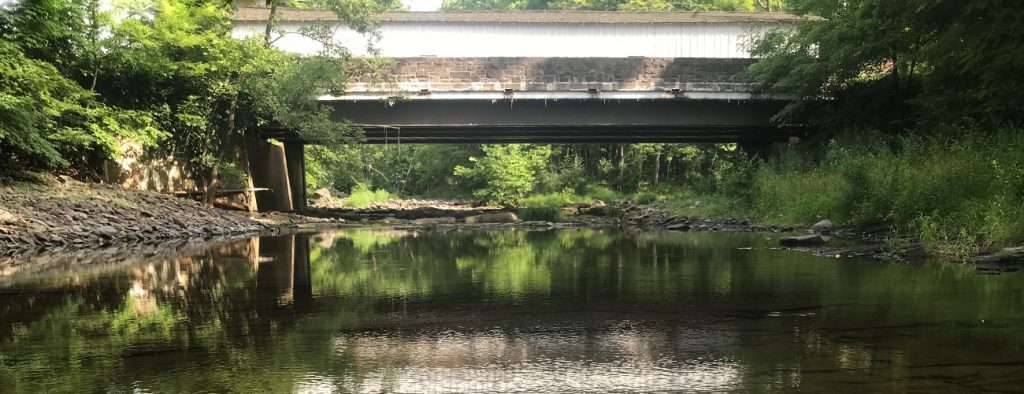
(283, 270)
(533, 77)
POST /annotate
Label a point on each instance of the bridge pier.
(295, 161)
(280, 167)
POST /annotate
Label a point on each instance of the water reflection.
(374, 310)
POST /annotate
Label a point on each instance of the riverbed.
(569, 310)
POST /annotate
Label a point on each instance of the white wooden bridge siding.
(511, 39)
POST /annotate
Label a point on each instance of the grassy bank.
(962, 194)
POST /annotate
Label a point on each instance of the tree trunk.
(94, 36)
(622, 164)
(271, 20)
(657, 168)
(211, 186)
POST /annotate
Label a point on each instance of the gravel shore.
(62, 213)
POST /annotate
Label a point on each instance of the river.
(385, 310)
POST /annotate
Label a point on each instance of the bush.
(362, 196)
(961, 193)
(509, 172)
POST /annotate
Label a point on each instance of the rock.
(823, 226)
(322, 193)
(446, 219)
(803, 240)
(595, 210)
(1007, 255)
(597, 203)
(570, 211)
(424, 212)
(107, 231)
(497, 217)
(678, 227)
(6, 216)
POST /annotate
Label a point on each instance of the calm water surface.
(375, 310)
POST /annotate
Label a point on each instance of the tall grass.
(362, 196)
(547, 207)
(962, 193)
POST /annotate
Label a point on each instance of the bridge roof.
(602, 17)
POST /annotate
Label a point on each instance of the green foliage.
(420, 170)
(588, 170)
(889, 63)
(646, 197)
(963, 193)
(78, 77)
(603, 193)
(548, 207)
(362, 196)
(50, 31)
(548, 213)
(508, 172)
(48, 121)
(231, 176)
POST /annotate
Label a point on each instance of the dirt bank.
(60, 213)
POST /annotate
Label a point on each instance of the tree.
(47, 120)
(178, 58)
(508, 172)
(899, 63)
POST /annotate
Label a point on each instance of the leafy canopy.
(894, 64)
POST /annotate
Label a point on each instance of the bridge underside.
(560, 121)
(281, 167)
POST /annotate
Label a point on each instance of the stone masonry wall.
(555, 74)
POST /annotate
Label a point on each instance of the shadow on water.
(569, 310)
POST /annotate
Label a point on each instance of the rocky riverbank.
(61, 214)
(56, 214)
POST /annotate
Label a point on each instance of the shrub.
(509, 172)
(362, 196)
(962, 193)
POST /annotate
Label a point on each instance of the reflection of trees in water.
(348, 305)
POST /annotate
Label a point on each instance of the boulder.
(322, 193)
(570, 211)
(446, 219)
(496, 217)
(803, 240)
(597, 203)
(823, 226)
